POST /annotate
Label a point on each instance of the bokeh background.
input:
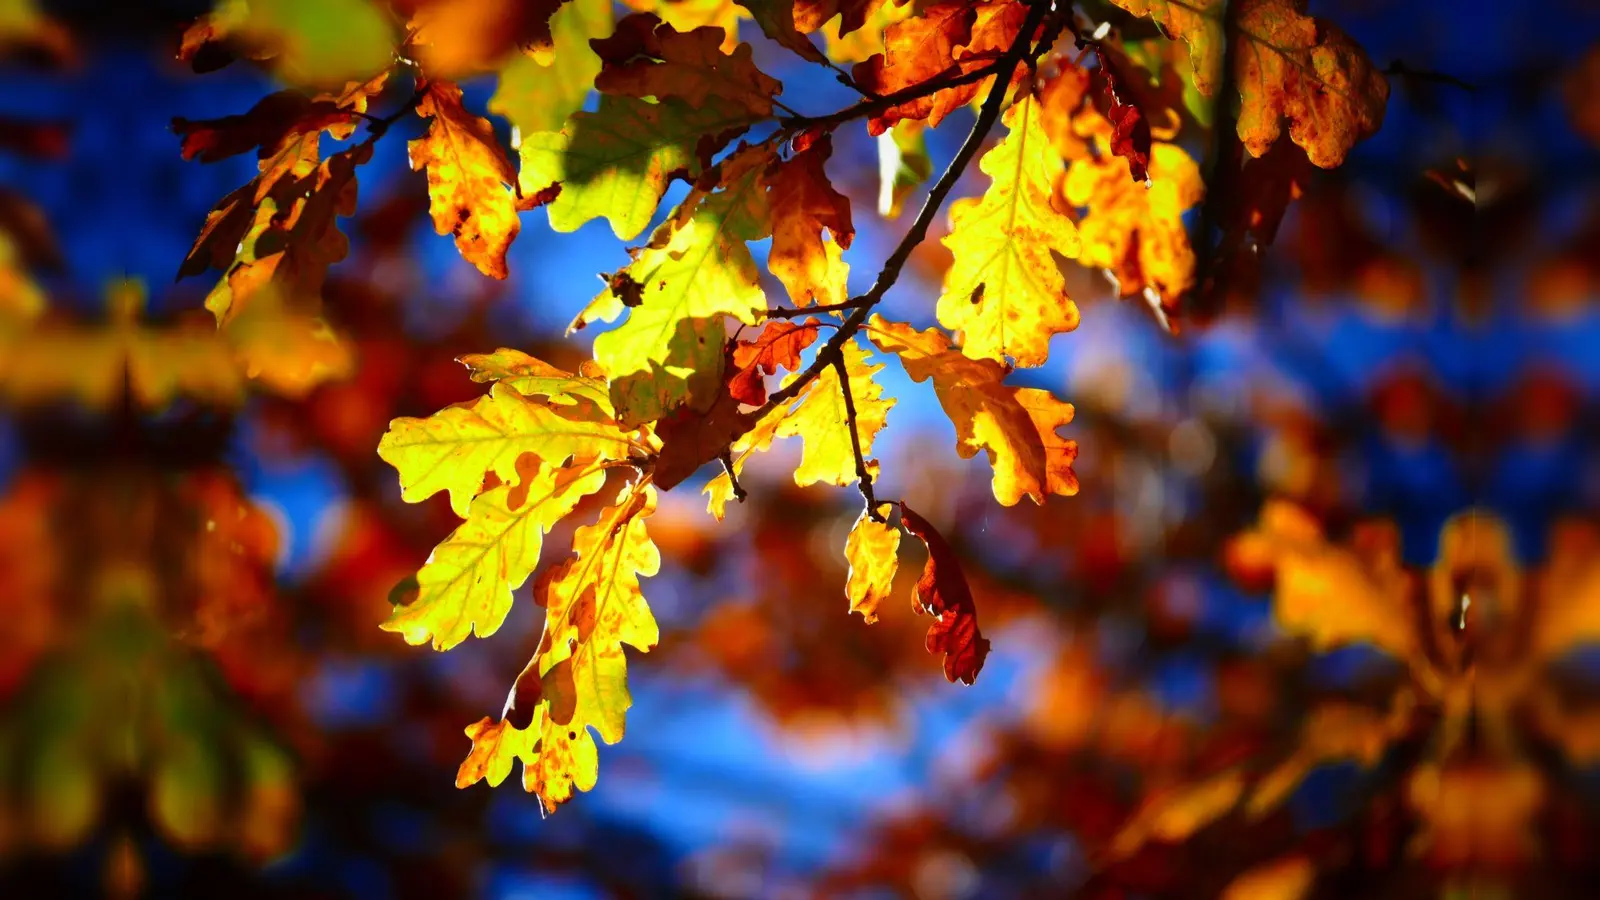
(198, 699)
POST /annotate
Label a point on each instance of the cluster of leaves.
(1090, 168)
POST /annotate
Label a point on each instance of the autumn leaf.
(1327, 593)
(1288, 66)
(458, 38)
(453, 449)
(288, 249)
(947, 39)
(1133, 231)
(1016, 426)
(871, 552)
(778, 346)
(1130, 130)
(1306, 71)
(821, 421)
(577, 679)
(686, 15)
(267, 126)
(942, 592)
(535, 378)
(538, 93)
(468, 175)
(777, 21)
(316, 43)
(1004, 291)
(690, 439)
(758, 439)
(803, 203)
(696, 271)
(617, 161)
(467, 583)
(646, 57)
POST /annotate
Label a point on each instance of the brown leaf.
(268, 124)
(690, 439)
(942, 592)
(646, 57)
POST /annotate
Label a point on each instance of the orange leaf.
(947, 39)
(777, 347)
(468, 174)
(803, 203)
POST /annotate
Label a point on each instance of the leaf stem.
(863, 477)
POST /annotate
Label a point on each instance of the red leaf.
(1130, 138)
(778, 346)
(942, 592)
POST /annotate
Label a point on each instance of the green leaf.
(536, 97)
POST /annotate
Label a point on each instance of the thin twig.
(733, 478)
(848, 80)
(886, 102)
(918, 232)
(863, 477)
(785, 107)
(1399, 69)
(787, 312)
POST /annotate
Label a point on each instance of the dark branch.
(863, 477)
(918, 232)
(733, 478)
(786, 312)
(1399, 69)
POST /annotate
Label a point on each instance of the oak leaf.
(456, 447)
(686, 15)
(1016, 426)
(617, 161)
(538, 93)
(467, 583)
(871, 552)
(696, 271)
(577, 679)
(821, 421)
(468, 175)
(803, 203)
(275, 118)
(647, 57)
(1130, 129)
(777, 19)
(536, 378)
(690, 439)
(1133, 231)
(947, 39)
(459, 38)
(1004, 291)
(942, 592)
(778, 346)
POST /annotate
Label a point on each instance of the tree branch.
(1399, 69)
(788, 312)
(918, 232)
(863, 477)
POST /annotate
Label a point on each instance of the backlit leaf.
(821, 421)
(942, 592)
(1004, 291)
(646, 57)
(803, 204)
(453, 449)
(467, 583)
(871, 552)
(1016, 426)
(468, 175)
(539, 94)
(778, 346)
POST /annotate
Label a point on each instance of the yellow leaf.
(696, 271)
(871, 551)
(577, 679)
(467, 582)
(1016, 426)
(1282, 879)
(467, 178)
(535, 378)
(454, 448)
(538, 94)
(1004, 291)
(1136, 233)
(822, 422)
